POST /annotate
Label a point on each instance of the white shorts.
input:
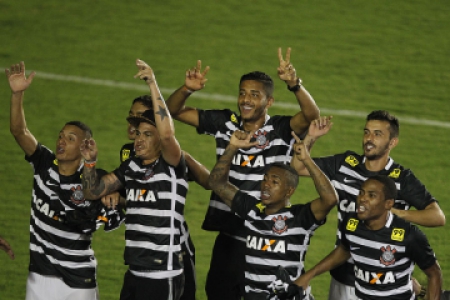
(40, 287)
(340, 291)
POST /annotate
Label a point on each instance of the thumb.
(31, 76)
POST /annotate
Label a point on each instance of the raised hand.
(320, 127)
(18, 82)
(145, 72)
(240, 139)
(89, 150)
(301, 151)
(195, 78)
(286, 70)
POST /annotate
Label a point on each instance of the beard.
(376, 152)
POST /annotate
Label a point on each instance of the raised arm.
(309, 110)
(170, 148)
(431, 216)
(218, 180)
(317, 128)
(337, 257)
(434, 276)
(94, 186)
(18, 126)
(195, 81)
(328, 197)
(198, 172)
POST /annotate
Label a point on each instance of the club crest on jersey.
(351, 160)
(387, 257)
(77, 196)
(395, 173)
(148, 174)
(280, 224)
(262, 140)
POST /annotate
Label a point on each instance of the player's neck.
(376, 165)
(68, 168)
(253, 125)
(379, 223)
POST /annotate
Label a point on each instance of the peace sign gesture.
(195, 78)
(286, 70)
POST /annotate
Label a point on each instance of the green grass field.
(353, 57)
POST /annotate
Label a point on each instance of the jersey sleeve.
(41, 156)
(419, 249)
(243, 203)
(329, 164)
(414, 192)
(282, 126)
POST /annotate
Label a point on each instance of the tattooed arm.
(328, 197)
(218, 179)
(170, 148)
(94, 186)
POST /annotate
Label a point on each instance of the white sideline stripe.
(226, 98)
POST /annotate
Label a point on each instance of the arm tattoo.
(95, 187)
(162, 112)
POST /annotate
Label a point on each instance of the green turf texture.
(351, 55)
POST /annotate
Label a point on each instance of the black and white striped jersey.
(384, 259)
(280, 239)
(155, 196)
(248, 166)
(347, 172)
(61, 223)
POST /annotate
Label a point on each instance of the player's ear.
(389, 203)
(393, 142)
(270, 101)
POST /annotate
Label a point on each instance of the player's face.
(274, 190)
(377, 142)
(136, 110)
(253, 101)
(147, 143)
(69, 142)
(371, 204)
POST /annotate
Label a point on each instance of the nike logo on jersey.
(349, 180)
(252, 161)
(354, 248)
(48, 183)
(263, 244)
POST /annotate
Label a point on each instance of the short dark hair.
(291, 174)
(87, 130)
(383, 115)
(389, 187)
(265, 79)
(145, 100)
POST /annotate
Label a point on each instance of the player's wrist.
(90, 163)
(294, 85)
(187, 90)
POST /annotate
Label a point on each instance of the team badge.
(77, 196)
(387, 257)
(148, 174)
(262, 140)
(351, 160)
(395, 173)
(280, 224)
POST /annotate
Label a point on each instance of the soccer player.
(226, 275)
(4, 245)
(349, 170)
(195, 171)
(383, 246)
(62, 262)
(156, 186)
(276, 232)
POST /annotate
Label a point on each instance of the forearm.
(163, 119)
(176, 101)
(218, 179)
(298, 165)
(17, 115)
(431, 216)
(307, 104)
(323, 185)
(93, 189)
(197, 171)
(434, 276)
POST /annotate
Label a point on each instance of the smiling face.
(372, 205)
(377, 142)
(68, 143)
(136, 110)
(147, 143)
(275, 192)
(253, 102)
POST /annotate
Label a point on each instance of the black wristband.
(296, 87)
